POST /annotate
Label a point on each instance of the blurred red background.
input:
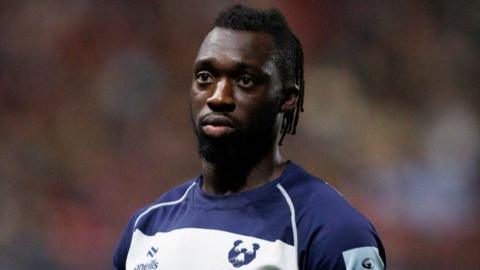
(94, 120)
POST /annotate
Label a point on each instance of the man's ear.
(290, 97)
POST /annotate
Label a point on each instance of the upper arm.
(350, 246)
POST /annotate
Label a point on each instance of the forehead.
(221, 44)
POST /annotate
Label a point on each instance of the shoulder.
(328, 225)
(175, 193)
(319, 203)
(315, 198)
(172, 197)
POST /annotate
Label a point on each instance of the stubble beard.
(243, 148)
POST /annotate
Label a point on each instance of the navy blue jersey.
(296, 221)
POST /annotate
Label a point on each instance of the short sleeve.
(351, 246)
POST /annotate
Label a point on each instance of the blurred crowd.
(94, 120)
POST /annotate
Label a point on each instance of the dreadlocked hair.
(287, 54)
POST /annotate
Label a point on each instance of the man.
(250, 208)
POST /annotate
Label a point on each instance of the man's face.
(235, 97)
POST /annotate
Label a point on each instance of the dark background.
(94, 120)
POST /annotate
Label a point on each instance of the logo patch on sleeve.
(363, 258)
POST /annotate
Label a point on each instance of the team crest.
(242, 254)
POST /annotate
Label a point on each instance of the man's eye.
(245, 81)
(204, 77)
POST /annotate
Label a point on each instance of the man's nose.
(222, 98)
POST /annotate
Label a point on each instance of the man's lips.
(217, 126)
(217, 131)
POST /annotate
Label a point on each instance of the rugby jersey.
(295, 222)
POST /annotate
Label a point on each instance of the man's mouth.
(217, 131)
(217, 126)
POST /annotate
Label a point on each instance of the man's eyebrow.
(203, 64)
(209, 63)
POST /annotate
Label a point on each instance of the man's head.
(287, 53)
(247, 85)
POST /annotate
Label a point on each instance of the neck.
(223, 180)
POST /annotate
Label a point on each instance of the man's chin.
(218, 150)
(218, 156)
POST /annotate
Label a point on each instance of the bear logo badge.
(242, 254)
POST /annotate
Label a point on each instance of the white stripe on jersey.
(207, 249)
(163, 204)
(292, 216)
